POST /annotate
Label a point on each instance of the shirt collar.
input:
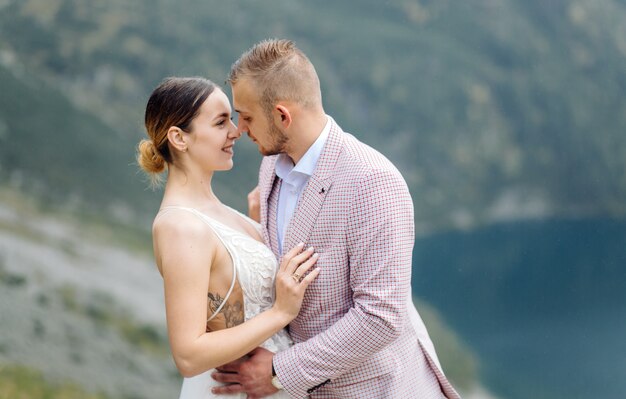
(306, 166)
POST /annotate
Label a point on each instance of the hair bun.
(149, 157)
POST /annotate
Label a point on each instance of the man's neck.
(304, 135)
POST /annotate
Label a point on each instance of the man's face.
(261, 129)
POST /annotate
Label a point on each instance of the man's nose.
(241, 128)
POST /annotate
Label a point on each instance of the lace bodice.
(255, 267)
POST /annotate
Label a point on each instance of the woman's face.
(213, 134)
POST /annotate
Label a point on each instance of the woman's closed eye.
(223, 121)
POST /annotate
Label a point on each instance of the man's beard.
(279, 141)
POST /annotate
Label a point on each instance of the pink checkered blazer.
(357, 334)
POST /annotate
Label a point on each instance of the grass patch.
(458, 362)
(11, 279)
(20, 382)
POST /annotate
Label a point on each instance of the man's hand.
(252, 376)
(254, 204)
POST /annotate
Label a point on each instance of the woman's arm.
(185, 249)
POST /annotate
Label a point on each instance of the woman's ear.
(283, 116)
(177, 139)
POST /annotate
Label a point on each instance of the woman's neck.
(184, 188)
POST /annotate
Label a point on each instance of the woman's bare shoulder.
(179, 235)
(179, 222)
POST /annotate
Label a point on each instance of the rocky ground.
(79, 310)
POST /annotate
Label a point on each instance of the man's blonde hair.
(279, 71)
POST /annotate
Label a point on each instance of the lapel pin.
(323, 190)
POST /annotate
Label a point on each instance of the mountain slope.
(493, 110)
(63, 154)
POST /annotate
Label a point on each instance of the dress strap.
(208, 221)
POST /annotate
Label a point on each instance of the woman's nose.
(235, 132)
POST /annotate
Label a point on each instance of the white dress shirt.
(294, 179)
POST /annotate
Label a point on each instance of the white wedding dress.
(254, 267)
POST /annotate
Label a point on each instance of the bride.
(225, 295)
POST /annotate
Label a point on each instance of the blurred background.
(506, 117)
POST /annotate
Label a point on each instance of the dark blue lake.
(542, 304)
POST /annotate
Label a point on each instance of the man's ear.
(177, 138)
(283, 116)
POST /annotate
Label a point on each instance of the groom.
(358, 334)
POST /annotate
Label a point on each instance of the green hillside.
(493, 110)
(60, 153)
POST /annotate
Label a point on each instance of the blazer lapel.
(266, 182)
(312, 198)
(306, 213)
(272, 209)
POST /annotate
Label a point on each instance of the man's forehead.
(244, 96)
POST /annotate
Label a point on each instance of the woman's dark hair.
(175, 102)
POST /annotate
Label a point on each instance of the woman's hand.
(292, 279)
(254, 205)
